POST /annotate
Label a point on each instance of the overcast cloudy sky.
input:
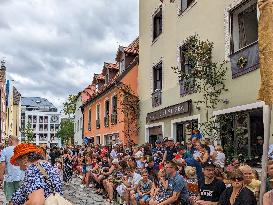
(53, 47)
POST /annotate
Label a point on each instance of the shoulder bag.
(54, 198)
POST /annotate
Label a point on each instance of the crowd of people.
(163, 173)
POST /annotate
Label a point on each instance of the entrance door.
(152, 139)
(155, 133)
(179, 132)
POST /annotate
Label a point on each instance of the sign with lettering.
(177, 109)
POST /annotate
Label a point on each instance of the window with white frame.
(157, 23)
(244, 25)
(186, 4)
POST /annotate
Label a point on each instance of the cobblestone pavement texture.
(82, 196)
(74, 193)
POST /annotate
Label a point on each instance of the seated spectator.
(237, 194)
(268, 198)
(211, 188)
(143, 192)
(269, 180)
(249, 181)
(130, 183)
(160, 188)
(218, 157)
(208, 146)
(177, 188)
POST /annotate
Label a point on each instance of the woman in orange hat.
(35, 187)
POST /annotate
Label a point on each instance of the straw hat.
(23, 149)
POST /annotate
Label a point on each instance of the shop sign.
(177, 109)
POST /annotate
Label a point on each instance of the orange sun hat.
(23, 149)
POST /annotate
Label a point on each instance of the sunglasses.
(239, 179)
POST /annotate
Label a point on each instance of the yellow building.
(13, 111)
(170, 110)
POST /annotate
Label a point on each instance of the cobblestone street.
(82, 196)
(76, 194)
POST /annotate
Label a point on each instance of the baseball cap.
(158, 141)
(259, 138)
(209, 164)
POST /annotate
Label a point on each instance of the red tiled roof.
(111, 66)
(99, 77)
(133, 48)
(88, 92)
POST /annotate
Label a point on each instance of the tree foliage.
(70, 105)
(28, 133)
(66, 131)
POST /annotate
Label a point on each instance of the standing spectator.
(53, 156)
(196, 134)
(170, 151)
(158, 152)
(13, 174)
(237, 194)
(34, 189)
(68, 171)
(211, 188)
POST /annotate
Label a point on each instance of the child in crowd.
(143, 189)
(192, 181)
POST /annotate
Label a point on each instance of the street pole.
(267, 121)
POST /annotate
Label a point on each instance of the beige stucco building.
(170, 111)
(13, 113)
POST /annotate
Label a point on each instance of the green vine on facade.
(202, 75)
(129, 102)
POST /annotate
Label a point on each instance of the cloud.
(52, 48)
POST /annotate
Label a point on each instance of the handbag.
(54, 198)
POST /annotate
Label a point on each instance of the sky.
(52, 48)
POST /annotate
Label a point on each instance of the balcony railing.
(98, 123)
(156, 98)
(89, 126)
(186, 87)
(106, 121)
(114, 118)
(245, 60)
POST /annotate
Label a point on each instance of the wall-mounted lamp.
(226, 101)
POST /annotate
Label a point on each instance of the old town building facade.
(170, 110)
(105, 117)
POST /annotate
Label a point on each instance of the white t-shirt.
(135, 179)
(113, 154)
(220, 159)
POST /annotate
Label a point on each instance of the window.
(157, 73)
(122, 65)
(157, 23)
(114, 104)
(98, 117)
(107, 108)
(98, 112)
(244, 25)
(185, 4)
(106, 78)
(89, 120)
(186, 66)
(81, 123)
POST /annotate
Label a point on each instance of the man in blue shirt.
(177, 184)
(13, 174)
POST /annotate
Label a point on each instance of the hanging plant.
(242, 62)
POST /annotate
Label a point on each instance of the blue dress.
(34, 180)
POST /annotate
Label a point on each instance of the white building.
(78, 122)
(44, 119)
